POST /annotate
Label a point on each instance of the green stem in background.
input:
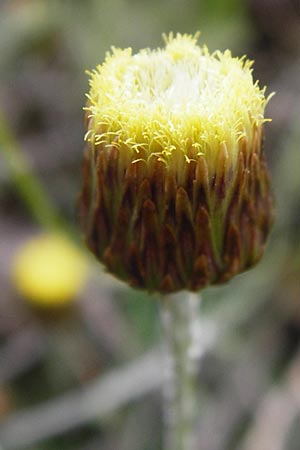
(28, 186)
(181, 332)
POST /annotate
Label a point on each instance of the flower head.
(175, 189)
(48, 270)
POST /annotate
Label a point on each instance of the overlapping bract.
(161, 235)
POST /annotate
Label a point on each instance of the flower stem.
(180, 327)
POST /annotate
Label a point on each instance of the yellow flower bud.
(175, 187)
(48, 270)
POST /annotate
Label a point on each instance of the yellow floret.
(49, 270)
(179, 97)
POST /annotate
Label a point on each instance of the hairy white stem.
(182, 341)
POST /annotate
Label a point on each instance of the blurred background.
(79, 351)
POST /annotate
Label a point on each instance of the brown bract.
(165, 229)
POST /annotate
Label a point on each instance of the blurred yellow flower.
(48, 270)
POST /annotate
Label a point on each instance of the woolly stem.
(180, 328)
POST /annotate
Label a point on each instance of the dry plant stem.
(180, 327)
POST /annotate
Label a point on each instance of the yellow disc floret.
(177, 98)
(49, 270)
